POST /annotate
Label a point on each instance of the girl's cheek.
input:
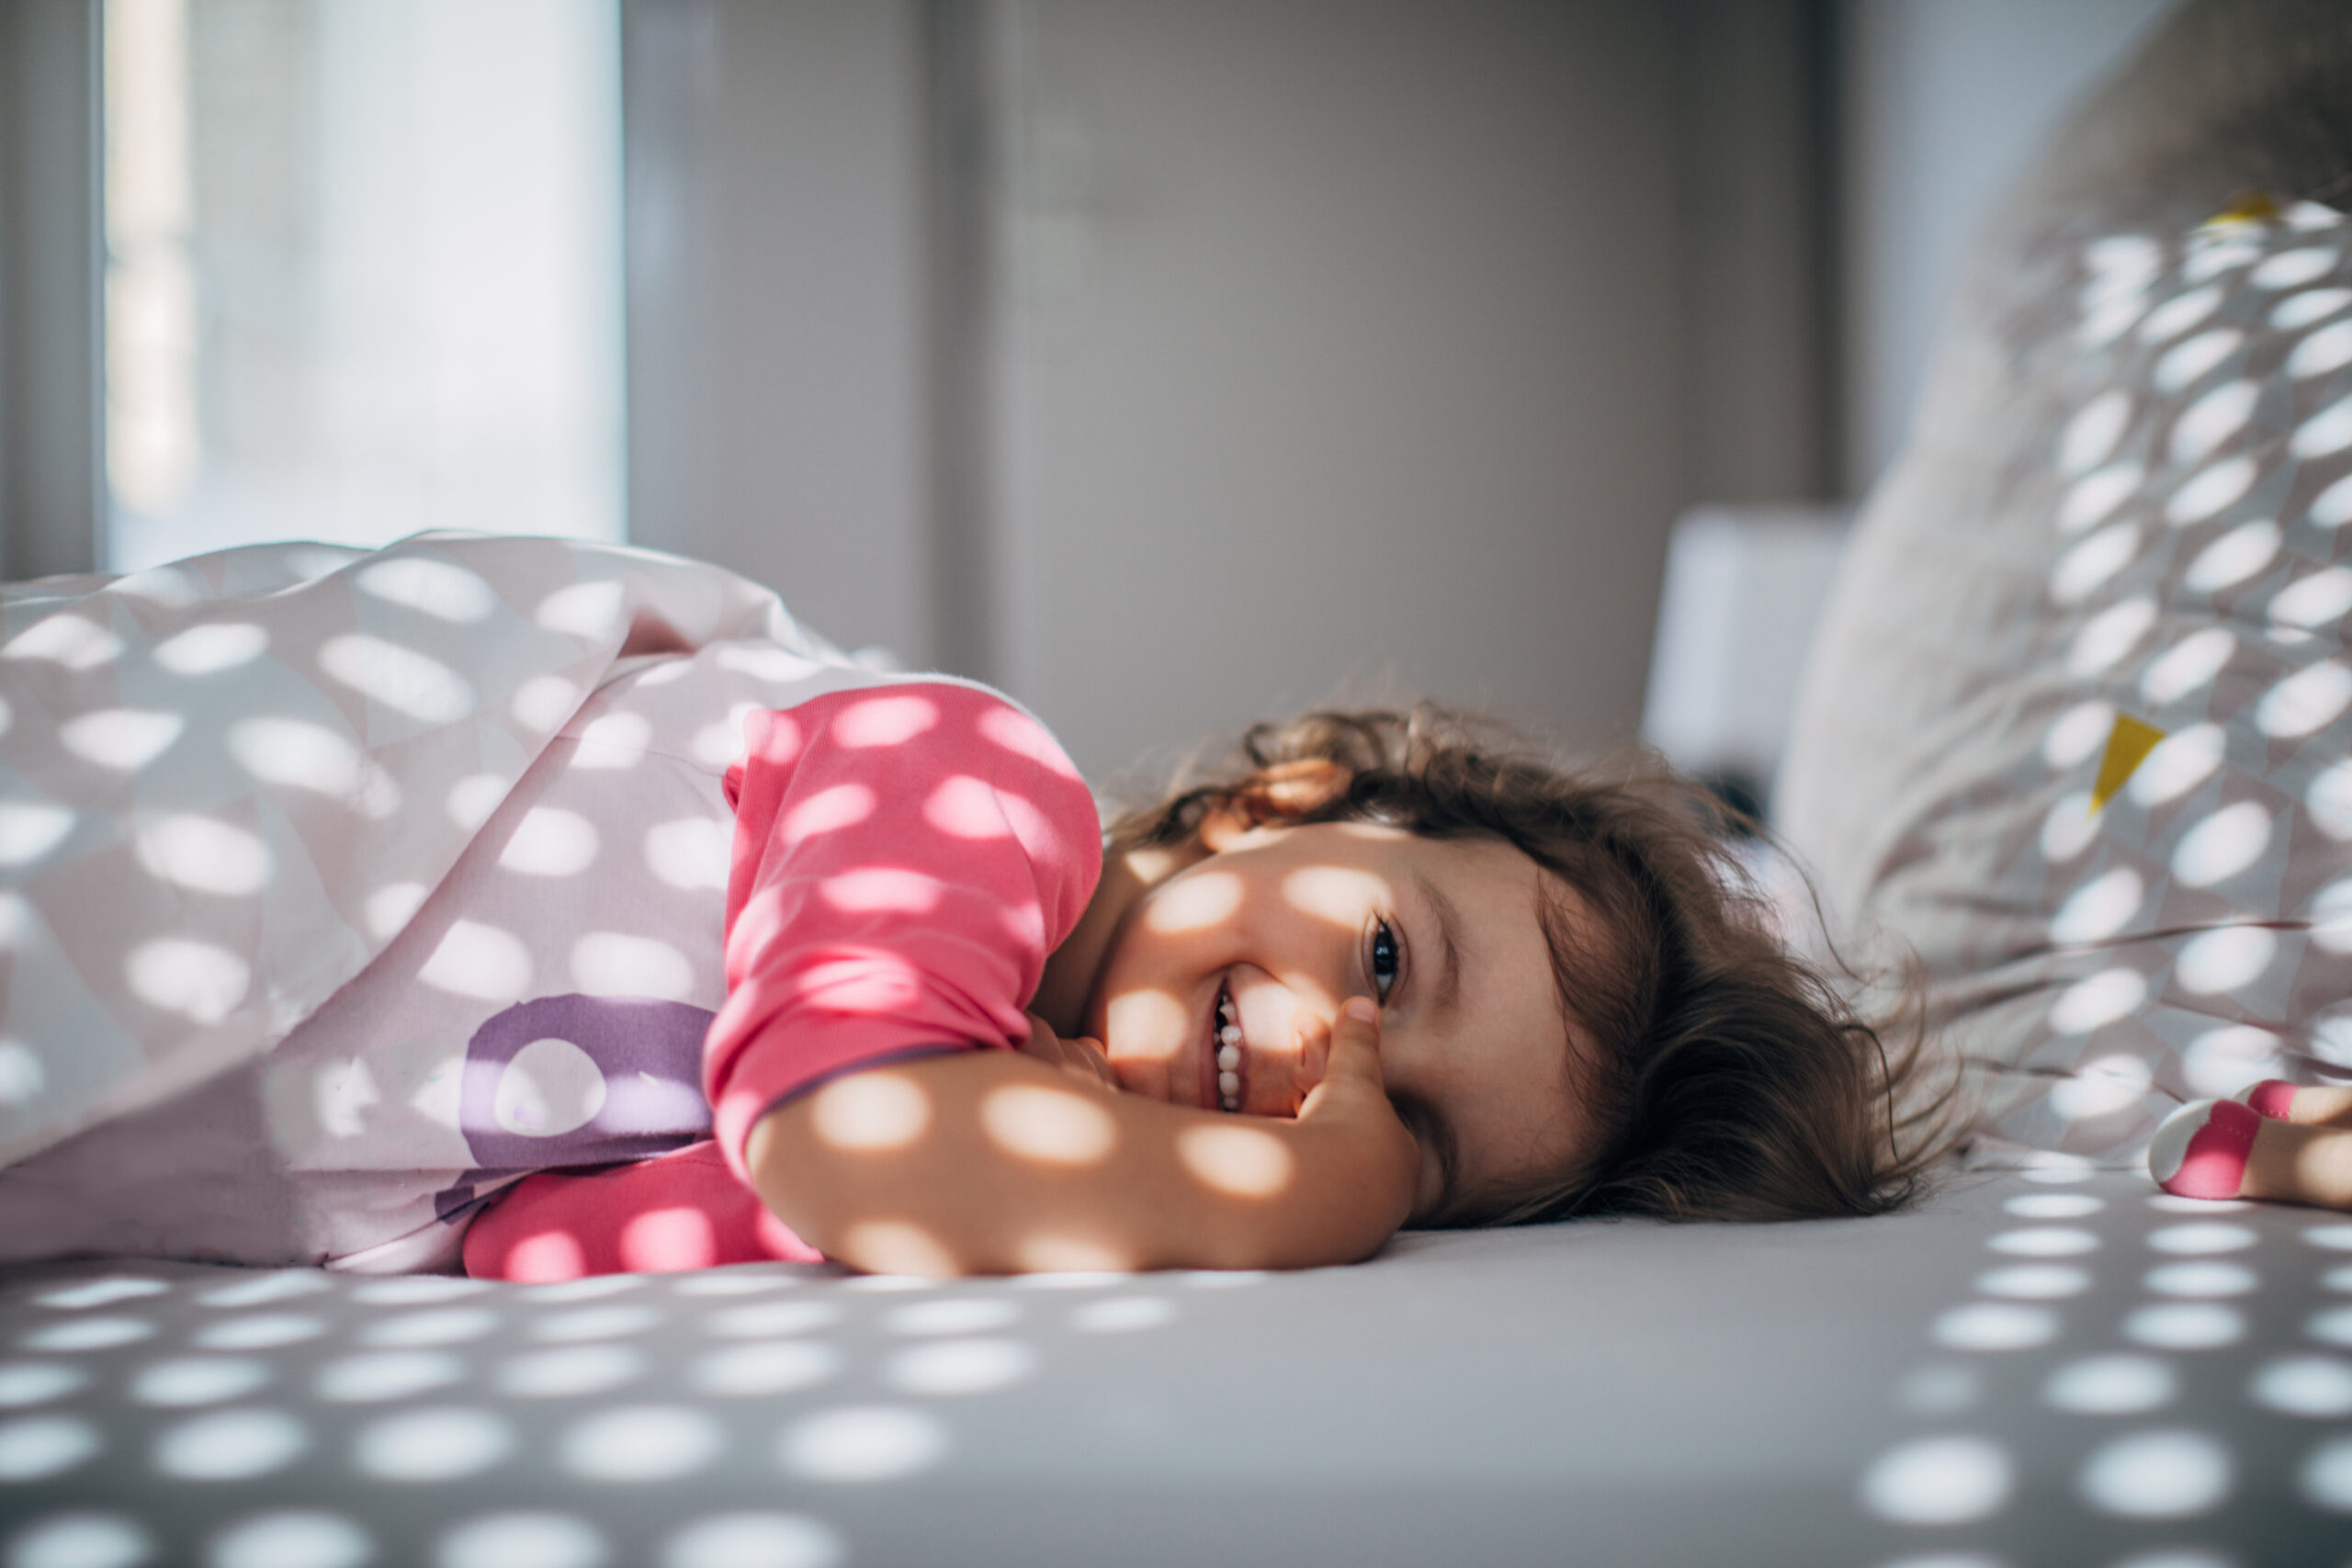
(1144, 1033)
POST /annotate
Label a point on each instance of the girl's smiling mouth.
(1226, 1054)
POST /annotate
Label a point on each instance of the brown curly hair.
(1734, 1080)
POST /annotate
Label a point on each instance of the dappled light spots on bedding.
(595, 1287)
(2309, 308)
(589, 611)
(70, 640)
(2206, 263)
(2318, 1388)
(475, 798)
(1123, 1315)
(479, 960)
(2177, 315)
(719, 744)
(2185, 365)
(1995, 1325)
(2222, 1061)
(87, 1334)
(2224, 959)
(953, 1314)
(259, 1331)
(2159, 1475)
(230, 1445)
(755, 1540)
(442, 590)
(2189, 666)
(2044, 1241)
(760, 1371)
(959, 1367)
(640, 1443)
(2078, 733)
(294, 1539)
(2101, 999)
(2091, 436)
(445, 1325)
(2211, 420)
(2228, 561)
(543, 701)
(284, 1284)
(1054, 1126)
(2326, 432)
(2087, 567)
(122, 740)
(2099, 907)
(550, 842)
(764, 1320)
(81, 1540)
(1241, 1162)
(2327, 350)
(27, 1383)
(2176, 765)
(622, 964)
(210, 649)
(2094, 497)
(2102, 1088)
(2123, 1383)
(300, 755)
(2315, 601)
(616, 1321)
(550, 1087)
(35, 1448)
(193, 979)
(2205, 1277)
(2035, 1281)
(2211, 491)
(2053, 1205)
(444, 1444)
(572, 1372)
(402, 679)
(1938, 1481)
(2333, 506)
(417, 1290)
(29, 831)
(614, 742)
(204, 855)
(2222, 845)
(22, 1077)
(2332, 1327)
(691, 853)
(387, 1375)
(389, 908)
(2292, 269)
(524, 1539)
(2201, 1240)
(101, 1292)
(862, 1443)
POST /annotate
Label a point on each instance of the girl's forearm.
(993, 1163)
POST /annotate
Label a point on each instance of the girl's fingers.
(2330, 1104)
(2223, 1149)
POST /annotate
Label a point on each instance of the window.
(362, 271)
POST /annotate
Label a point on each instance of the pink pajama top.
(905, 858)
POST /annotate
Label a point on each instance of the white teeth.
(1229, 1056)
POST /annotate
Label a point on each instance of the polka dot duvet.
(396, 869)
(2087, 688)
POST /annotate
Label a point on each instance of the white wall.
(1948, 101)
(1343, 359)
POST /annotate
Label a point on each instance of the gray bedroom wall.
(1946, 103)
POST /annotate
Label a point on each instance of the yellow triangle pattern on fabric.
(2249, 207)
(2128, 745)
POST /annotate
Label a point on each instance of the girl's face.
(1279, 926)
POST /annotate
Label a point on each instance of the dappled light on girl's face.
(1050, 1124)
(872, 1110)
(1335, 894)
(1195, 903)
(1241, 1161)
(1148, 1014)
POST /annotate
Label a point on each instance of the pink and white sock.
(2274, 1097)
(2201, 1150)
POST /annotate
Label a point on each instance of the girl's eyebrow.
(1448, 990)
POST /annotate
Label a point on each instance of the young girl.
(569, 908)
(1389, 970)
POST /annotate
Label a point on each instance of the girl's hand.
(1081, 1058)
(1359, 1154)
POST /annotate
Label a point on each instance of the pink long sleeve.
(905, 859)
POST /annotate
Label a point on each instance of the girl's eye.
(1385, 956)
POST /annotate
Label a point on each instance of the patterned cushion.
(2078, 726)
